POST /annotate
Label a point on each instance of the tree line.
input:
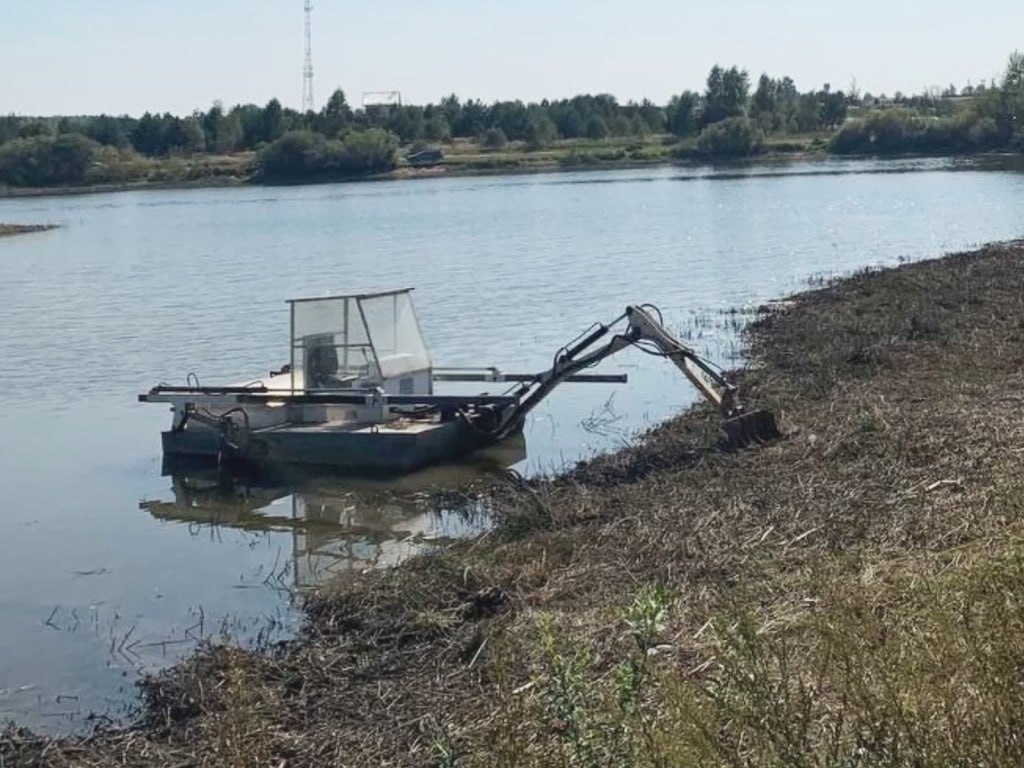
(730, 117)
(777, 104)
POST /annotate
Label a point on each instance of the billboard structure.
(379, 103)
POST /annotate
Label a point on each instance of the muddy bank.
(7, 230)
(851, 595)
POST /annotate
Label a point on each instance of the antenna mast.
(308, 104)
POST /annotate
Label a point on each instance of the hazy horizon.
(129, 58)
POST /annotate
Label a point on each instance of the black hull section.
(386, 452)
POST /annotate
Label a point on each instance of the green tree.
(763, 100)
(222, 133)
(493, 138)
(597, 128)
(231, 136)
(833, 108)
(571, 125)
(540, 131)
(148, 135)
(407, 122)
(473, 119)
(638, 126)
(682, 114)
(41, 161)
(184, 135)
(451, 109)
(107, 130)
(653, 115)
(618, 125)
(436, 128)
(1010, 114)
(294, 155)
(272, 121)
(787, 99)
(250, 120)
(9, 126)
(808, 114)
(364, 152)
(70, 157)
(29, 130)
(885, 131)
(511, 117)
(763, 103)
(726, 94)
(335, 115)
(303, 155)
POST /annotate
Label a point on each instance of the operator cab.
(359, 341)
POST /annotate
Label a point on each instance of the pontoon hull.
(371, 450)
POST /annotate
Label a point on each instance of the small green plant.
(566, 694)
(598, 725)
(646, 619)
(445, 753)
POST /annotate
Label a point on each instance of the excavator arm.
(643, 330)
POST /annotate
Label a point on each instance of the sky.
(119, 57)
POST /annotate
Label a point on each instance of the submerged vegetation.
(850, 596)
(730, 118)
(21, 229)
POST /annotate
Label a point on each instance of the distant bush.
(294, 155)
(899, 131)
(41, 161)
(300, 155)
(882, 132)
(732, 137)
(362, 152)
(493, 138)
(786, 146)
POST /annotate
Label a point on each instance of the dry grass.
(850, 596)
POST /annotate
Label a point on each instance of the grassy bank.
(123, 171)
(850, 596)
(576, 154)
(6, 230)
(462, 157)
(129, 171)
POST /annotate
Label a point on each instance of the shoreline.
(854, 589)
(470, 169)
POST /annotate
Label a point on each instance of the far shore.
(455, 165)
(488, 165)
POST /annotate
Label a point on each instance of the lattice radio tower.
(308, 104)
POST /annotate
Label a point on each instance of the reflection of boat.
(339, 524)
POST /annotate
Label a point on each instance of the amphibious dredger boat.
(358, 392)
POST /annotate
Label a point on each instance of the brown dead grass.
(851, 595)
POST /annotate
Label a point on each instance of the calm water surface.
(109, 567)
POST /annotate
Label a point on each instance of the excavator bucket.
(754, 427)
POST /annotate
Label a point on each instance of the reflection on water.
(339, 525)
